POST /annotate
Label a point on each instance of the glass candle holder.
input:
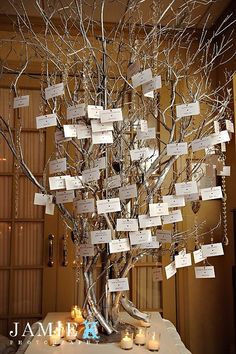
(71, 332)
(126, 342)
(153, 341)
(60, 329)
(54, 339)
(140, 336)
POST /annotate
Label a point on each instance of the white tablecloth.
(170, 341)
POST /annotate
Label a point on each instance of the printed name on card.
(120, 245)
(177, 149)
(50, 207)
(174, 201)
(183, 260)
(70, 130)
(128, 192)
(118, 284)
(147, 221)
(54, 91)
(204, 272)
(188, 109)
(198, 256)
(90, 175)
(186, 188)
(170, 270)
(57, 182)
(200, 144)
(94, 111)
(139, 237)
(111, 115)
(139, 154)
(83, 131)
(76, 111)
(73, 182)
(86, 250)
(229, 125)
(100, 236)
(21, 101)
(84, 206)
(158, 209)
(42, 199)
(145, 135)
(113, 182)
(152, 85)
(126, 225)
(49, 120)
(141, 78)
(105, 206)
(157, 274)
(102, 138)
(150, 245)
(164, 236)
(174, 216)
(212, 250)
(56, 166)
(98, 127)
(211, 193)
(65, 197)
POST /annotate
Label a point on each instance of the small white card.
(150, 245)
(54, 91)
(204, 272)
(111, 115)
(126, 225)
(42, 199)
(177, 149)
(49, 208)
(138, 154)
(100, 236)
(121, 245)
(49, 120)
(174, 216)
(133, 69)
(86, 250)
(157, 274)
(139, 237)
(141, 78)
(90, 175)
(83, 131)
(229, 125)
(224, 172)
(98, 127)
(200, 144)
(105, 206)
(183, 260)
(57, 182)
(143, 125)
(128, 192)
(113, 182)
(164, 236)
(21, 101)
(219, 138)
(73, 182)
(118, 284)
(102, 138)
(198, 256)
(158, 209)
(94, 111)
(212, 249)
(145, 135)
(211, 193)
(170, 270)
(188, 109)
(186, 188)
(147, 221)
(100, 163)
(174, 201)
(70, 130)
(191, 197)
(76, 111)
(65, 197)
(56, 166)
(84, 206)
(152, 85)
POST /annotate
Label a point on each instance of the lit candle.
(126, 343)
(71, 334)
(140, 337)
(55, 339)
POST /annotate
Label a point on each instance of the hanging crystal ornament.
(225, 240)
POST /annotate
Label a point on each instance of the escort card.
(138, 154)
(49, 120)
(94, 111)
(150, 245)
(65, 197)
(73, 182)
(139, 237)
(200, 144)
(177, 149)
(54, 91)
(70, 130)
(100, 163)
(229, 125)
(84, 206)
(60, 137)
(113, 182)
(49, 208)
(224, 172)
(141, 78)
(170, 270)
(111, 115)
(191, 197)
(188, 109)
(147, 221)
(212, 249)
(100, 236)
(186, 188)
(198, 256)
(157, 274)
(76, 111)
(158, 209)
(98, 127)
(183, 260)
(152, 85)
(105, 206)
(126, 225)
(211, 193)
(102, 138)
(174, 201)
(86, 250)
(219, 138)
(127, 192)
(121, 245)
(57, 182)
(174, 216)
(143, 125)
(118, 284)
(164, 236)
(21, 101)
(42, 199)
(149, 134)
(90, 175)
(56, 166)
(204, 272)
(133, 69)
(83, 131)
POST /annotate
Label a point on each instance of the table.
(170, 344)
